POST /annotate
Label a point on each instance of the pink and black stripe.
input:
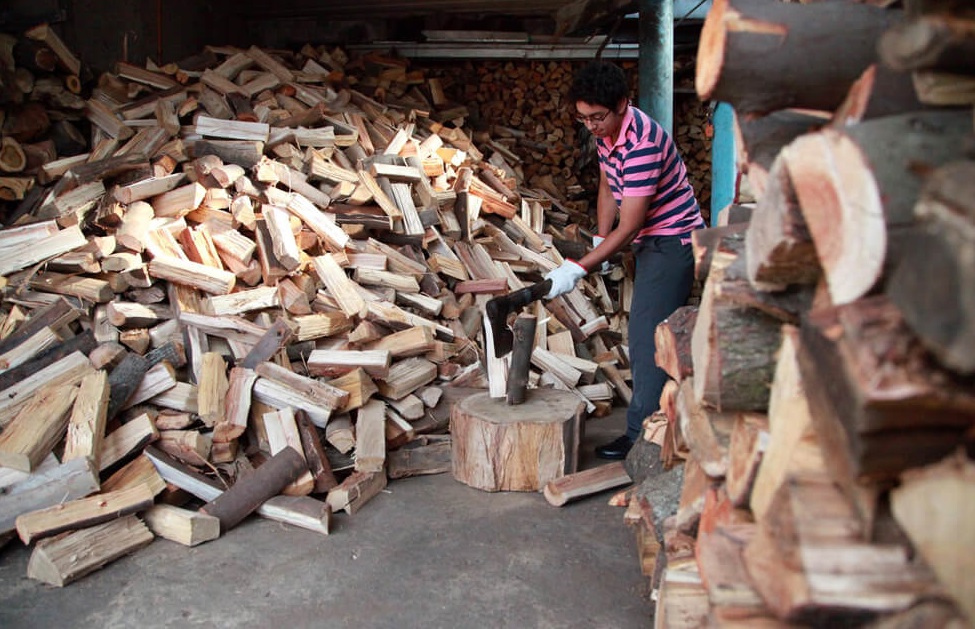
(643, 162)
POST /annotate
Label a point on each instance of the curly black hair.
(599, 83)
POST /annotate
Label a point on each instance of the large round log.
(764, 55)
(857, 187)
(498, 447)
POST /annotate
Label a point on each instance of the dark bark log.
(521, 352)
(247, 494)
(756, 54)
(932, 284)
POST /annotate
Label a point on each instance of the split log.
(941, 312)
(857, 189)
(282, 432)
(213, 388)
(778, 245)
(672, 342)
(189, 528)
(370, 437)
(941, 533)
(301, 511)
(719, 558)
(62, 560)
(707, 433)
(753, 53)
(318, 463)
(732, 345)
(331, 363)
(355, 491)
(83, 512)
(574, 486)
(542, 435)
(407, 376)
(37, 428)
(749, 442)
(127, 439)
(139, 471)
(682, 600)
(878, 92)
(47, 486)
(792, 444)
(879, 403)
(429, 454)
(86, 426)
(809, 559)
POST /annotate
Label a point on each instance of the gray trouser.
(664, 277)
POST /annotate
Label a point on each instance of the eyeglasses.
(593, 117)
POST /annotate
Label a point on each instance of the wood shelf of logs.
(821, 401)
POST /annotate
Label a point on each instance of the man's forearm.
(605, 208)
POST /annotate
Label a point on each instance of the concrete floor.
(429, 552)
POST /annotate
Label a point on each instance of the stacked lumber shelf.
(822, 403)
(259, 285)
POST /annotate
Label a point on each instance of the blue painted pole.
(656, 61)
(724, 173)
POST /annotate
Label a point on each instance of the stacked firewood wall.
(523, 106)
(822, 403)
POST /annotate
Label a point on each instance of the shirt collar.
(624, 127)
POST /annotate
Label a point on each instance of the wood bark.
(930, 42)
(523, 331)
(941, 312)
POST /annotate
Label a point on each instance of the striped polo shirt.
(643, 162)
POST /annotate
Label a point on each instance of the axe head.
(499, 308)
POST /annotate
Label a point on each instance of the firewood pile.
(821, 401)
(257, 285)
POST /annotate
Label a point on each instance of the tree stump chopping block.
(498, 447)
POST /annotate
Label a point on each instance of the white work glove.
(604, 268)
(564, 278)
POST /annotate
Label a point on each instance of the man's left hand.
(564, 278)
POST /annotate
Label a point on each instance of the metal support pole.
(656, 70)
(724, 173)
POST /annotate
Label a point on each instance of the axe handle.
(527, 295)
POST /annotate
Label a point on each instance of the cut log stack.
(822, 404)
(259, 284)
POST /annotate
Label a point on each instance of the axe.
(499, 308)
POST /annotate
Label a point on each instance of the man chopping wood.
(645, 201)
